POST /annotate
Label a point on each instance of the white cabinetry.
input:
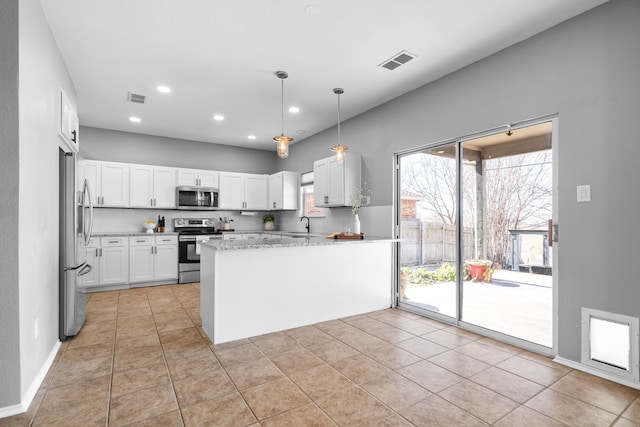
(114, 260)
(336, 182)
(68, 124)
(109, 182)
(152, 187)
(198, 178)
(153, 258)
(243, 191)
(283, 191)
(92, 251)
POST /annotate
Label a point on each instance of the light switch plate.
(584, 193)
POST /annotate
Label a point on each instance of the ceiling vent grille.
(397, 60)
(136, 98)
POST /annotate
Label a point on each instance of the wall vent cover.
(136, 98)
(397, 60)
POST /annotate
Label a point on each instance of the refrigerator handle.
(87, 232)
(85, 270)
(81, 266)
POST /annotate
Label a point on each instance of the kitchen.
(578, 83)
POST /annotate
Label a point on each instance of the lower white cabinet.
(153, 258)
(109, 259)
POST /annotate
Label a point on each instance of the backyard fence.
(432, 243)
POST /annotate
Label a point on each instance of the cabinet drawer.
(141, 241)
(166, 240)
(113, 241)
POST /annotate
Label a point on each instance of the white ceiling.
(219, 57)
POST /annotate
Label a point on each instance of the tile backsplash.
(375, 220)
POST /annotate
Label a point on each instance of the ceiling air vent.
(397, 60)
(136, 97)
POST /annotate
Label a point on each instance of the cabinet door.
(290, 190)
(231, 190)
(187, 177)
(91, 170)
(275, 191)
(141, 263)
(335, 173)
(320, 182)
(141, 186)
(114, 265)
(209, 178)
(93, 277)
(115, 184)
(255, 192)
(164, 187)
(166, 262)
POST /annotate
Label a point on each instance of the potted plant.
(268, 221)
(479, 269)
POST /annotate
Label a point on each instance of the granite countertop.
(231, 245)
(132, 234)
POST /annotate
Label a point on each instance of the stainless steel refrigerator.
(76, 222)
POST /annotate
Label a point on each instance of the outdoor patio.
(514, 303)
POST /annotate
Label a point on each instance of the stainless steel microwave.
(197, 198)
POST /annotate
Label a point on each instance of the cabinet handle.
(97, 252)
(140, 241)
(74, 133)
(274, 205)
(326, 199)
(114, 241)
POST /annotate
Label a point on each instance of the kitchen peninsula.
(251, 287)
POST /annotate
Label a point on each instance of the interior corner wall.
(9, 160)
(42, 73)
(585, 70)
(127, 147)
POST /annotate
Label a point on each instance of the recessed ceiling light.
(294, 109)
(163, 89)
(135, 119)
(251, 137)
(301, 131)
(218, 117)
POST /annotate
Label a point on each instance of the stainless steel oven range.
(191, 231)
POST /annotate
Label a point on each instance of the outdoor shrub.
(446, 273)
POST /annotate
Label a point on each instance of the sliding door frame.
(527, 345)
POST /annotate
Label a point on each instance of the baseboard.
(589, 370)
(9, 411)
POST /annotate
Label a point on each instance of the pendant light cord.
(339, 138)
(282, 98)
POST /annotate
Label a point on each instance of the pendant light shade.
(339, 149)
(282, 141)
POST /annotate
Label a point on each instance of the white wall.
(9, 279)
(585, 70)
(41, 75)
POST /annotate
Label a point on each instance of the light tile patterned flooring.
(142, 359)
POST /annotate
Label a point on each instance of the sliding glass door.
(473, 217)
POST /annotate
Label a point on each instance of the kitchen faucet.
(306, 226)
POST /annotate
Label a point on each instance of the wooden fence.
(432, 243)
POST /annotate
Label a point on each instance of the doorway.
(475, 245)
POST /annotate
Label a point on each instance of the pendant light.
(339, 149)
(282, 141)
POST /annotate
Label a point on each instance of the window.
(307, 207)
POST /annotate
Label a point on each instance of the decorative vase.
(269, 225)
(355, 224)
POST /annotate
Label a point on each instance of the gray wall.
(585, 70)
(117, 146)
(9, 302)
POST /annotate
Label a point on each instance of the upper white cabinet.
(198, 178)
(109, 182)
(68, 123)
(336, 182)
(152, 187)
(283, 191)
(243, 191)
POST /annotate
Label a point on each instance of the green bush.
(446, 273)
